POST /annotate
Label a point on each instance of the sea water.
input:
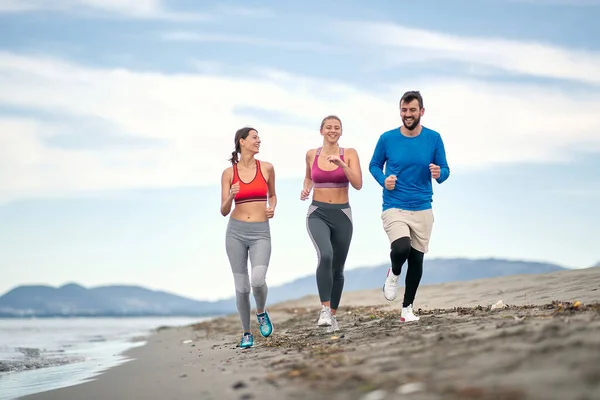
(41, 354)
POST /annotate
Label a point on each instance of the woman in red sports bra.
(251, 185)
(330, 169)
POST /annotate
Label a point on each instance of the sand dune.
(544, 344)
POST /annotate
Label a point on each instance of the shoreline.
(540, 345)
(43, 355)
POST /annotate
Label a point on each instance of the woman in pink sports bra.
(330, 169)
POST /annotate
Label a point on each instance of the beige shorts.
(414, 224)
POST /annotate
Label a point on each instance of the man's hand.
(435, 171)
(390, 182)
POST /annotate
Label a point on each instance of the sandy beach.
(543, 343)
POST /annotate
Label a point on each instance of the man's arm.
(439, 159)
(377, 161)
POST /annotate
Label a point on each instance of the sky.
(117, 119)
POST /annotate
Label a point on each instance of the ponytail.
(234, 157)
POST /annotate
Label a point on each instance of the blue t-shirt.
(408, 158)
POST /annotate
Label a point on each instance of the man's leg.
(421, 225)
(398, 232)
(414, 273)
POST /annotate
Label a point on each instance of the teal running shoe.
(266, 327)
(247, 340)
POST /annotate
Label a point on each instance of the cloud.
(142, 9)
(404, 45)
(185, 36)
(194, 117)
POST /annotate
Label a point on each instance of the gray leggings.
(330, 228)
(243, 239)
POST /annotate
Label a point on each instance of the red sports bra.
(255, 190)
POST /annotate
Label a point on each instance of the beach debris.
(568, 308)
(238, 385)
(183, 376)
(499, 305)
(412, 387)
(375, 395)
(187, 341)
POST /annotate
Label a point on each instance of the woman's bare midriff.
(250, 212)
(331, 195)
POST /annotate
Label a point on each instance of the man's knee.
(401, 247)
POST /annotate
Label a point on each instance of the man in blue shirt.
(413, 155)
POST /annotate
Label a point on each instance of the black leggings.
(330, 228)
(402, 251)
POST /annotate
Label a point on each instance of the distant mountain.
(76, 300)
(434, 271)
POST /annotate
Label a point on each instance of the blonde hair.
(330, 117)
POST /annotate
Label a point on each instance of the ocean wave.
(97, 339)
(29, 352)
(34, 359)
(24, 365)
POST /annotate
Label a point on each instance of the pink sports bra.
(328, 179)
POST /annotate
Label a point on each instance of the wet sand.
(544, 343)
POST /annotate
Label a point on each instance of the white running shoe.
(408, 315)
(390, 287)
(324, 316)
(334, 325)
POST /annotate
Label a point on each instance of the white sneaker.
(334, 325)
(390, 287)
(324, 317)
(408, 315)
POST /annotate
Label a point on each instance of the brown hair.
(330, 117)
(239, 135)
(412, 95)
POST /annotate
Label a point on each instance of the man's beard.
(414, 124)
